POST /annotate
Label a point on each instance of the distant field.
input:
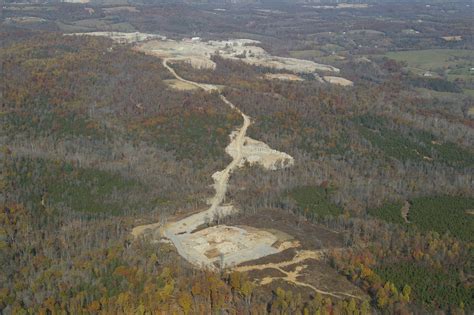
(455, 64)
(469, 92)
(61, 185)
(441, 214)
(433, 59)
(304, 54)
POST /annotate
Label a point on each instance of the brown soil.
(310, 235)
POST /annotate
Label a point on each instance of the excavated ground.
(266, 246)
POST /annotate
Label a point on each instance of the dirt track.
(221, 178)
(291, 276)
(228, 246)
(222, 245)
(177, 232)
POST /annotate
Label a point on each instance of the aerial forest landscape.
(237, 157)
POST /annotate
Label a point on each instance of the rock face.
(258, 152)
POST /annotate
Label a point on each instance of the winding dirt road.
(176, 231)
(180, 232)
(292, 275)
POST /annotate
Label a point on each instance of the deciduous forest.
(95, 141)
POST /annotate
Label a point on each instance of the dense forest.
(94, 142)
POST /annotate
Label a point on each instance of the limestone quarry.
(199, 238)
(198, 53)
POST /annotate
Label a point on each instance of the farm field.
(436, 65)
(434, 59)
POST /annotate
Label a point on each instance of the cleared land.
(122, 37)
(198, 53)
(180, 85)
(341, 6)
(338, 81)
(283, 76)
(224, 245)
(292, 271)
(455, 64)
(452, 38)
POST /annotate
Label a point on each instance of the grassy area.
(432, 287)
(329, 48)
(314, 200)
(306, 54)
(433, 59)
(105, 24)
(441, 214)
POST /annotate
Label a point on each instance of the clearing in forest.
(199, 238)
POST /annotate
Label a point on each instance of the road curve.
(176, 231)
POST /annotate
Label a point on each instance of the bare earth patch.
(404, 211)
(198, 53)
(180, 85)
(470, 112)
(145, 230)
(225, 246)
(295, 271)
(283, 76)
(338, 81)
(452, 38)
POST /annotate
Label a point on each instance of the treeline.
(436, 84)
